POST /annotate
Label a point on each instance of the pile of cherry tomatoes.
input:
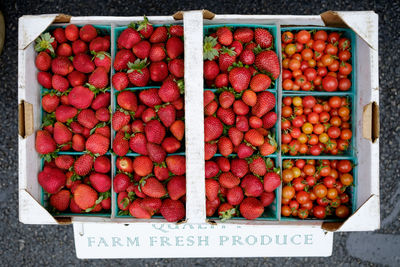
(316, 60)
(316, 188)
(315, 125)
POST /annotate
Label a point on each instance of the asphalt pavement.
(54, 245)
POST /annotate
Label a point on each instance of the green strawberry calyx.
(226, 215)
(100, 55)
(43, 42)
(143, 24)
(138, 65)
(98, 201)
(229, 51)
(209, 50)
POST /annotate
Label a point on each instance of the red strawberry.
(211, 169)
(178, 129)
(237, 47)
(267, 198)
(103, 59)
(226, 99)
(101, 182)
(239, 167)
(64, 50)
(221, 80)
(227, 57)
(99, 78)
(169, 91)
(106, 203)
(208, 97)
(120, 81)
(239, 78)
(142, 49)
(244, 151)
(225, 36)
(102, 100)
(128, 38)
(235, 135)
(152, 205)
(176, 67)
(87, 33)
(268, 61)
(71, 32)
(87, 118)
(252, 186)
(244, 35)
(43, 61)
(240, 108)
(225, 146)
(167, 115)
(271, 181)
(176, 30)
(227, 116)
(158, 71)
(265, 103)
(228, 180)
(152, 188)
(263, 38)
(102, 164)
(44, 79)
(211, 70)
(84, 196)
(251, 208)
(80, 97)
(142, 165)
(121, 182)
(99, 44)
(154, 131)
(78, 142)
(52, 179)
(138, 144)
(159, 35)
(50, 102)
(60, 200)
(59, 83)
(127, 100)
(120, 119)
(76, 78)
(260, 82)
(61, 66)
(148, 114)
(247, 57)
(226, 211)
(172, 210)
(103, 114)
(97, 144)
(61, 133)
(213, 128)
(122, 58)
(223, 164)
(211, 108)
(161, 172)
(145, 28)
(83, 165)
(209, 150)
(176, 164)
(137, 211)
(104, 131)
(212, 189)
(120, 144)
(123, 201)
(176, 187)
(124, 164)
(59, 34)
(235, 196)
(64, 162)
(79, 47)
(254, 137)
(45, 42)
(269, 120)
(157, 52)
(83, 63)
(174, 47)
(212, 206)
(73, 207)
(257, 166)
(139, 111)
(138, 73)
(156, 152)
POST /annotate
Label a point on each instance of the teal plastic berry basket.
(348, 33)
(271, 28)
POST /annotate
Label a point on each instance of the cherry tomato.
(302, 197)
(321, 35)
(298, 184)
(295, 133)
(318, 108)
(303, 36)
(287, 37)
(319, 212)
(303, 213)
(344, 166)
(344, 43)
(344, 84)
(294, 205)
(285, 124)
(310, 74)
(318, 81)
(307, 128)
(307, 54)
(333, 37)
(322, 71)
(323, 201)
(346, 134)
(334, 132)
(288, 192)
(286, 211)
(344, 198)
(287, 84)
(285, 63)
(335, 102)
(297, 121)
(287, 111)
(336, 121)
(345, 68)
(287, 101)
(342, 212)
(332, 193)
(300, 163)
(309, 169)
(331, 49)
(344, 55)
(327, 60)
(315, 150)
(325, 170)
(334, 66)
(346, 179)
(329, 83)
(299, 47)
(312, 63)
(290, 49)
(320, 190)
(308, 205)
(294, 64)
(287, 175)
(324, 116)
(318, 129)
(286, 138)
(319, 46)
(309, 101)
(285, 201)
(336, 202)
(329, 182)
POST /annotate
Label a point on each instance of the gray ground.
(45, 245)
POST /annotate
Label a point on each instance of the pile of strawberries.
(146, 188)
(316, 188)
(77, 185)
(314, 125)
(240, 187)
(316, 60)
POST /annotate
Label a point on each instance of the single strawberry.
(257, 166)
(158, 71)
(123, 201)
(208, 97)
(235, 135)
(52, 179)
(213, 128)
(50, 102)
(227, 116)
(120, 119)
(43, 61)
(71, 32)
(142, 49)
(161, 172)
(155, 131)
(172, 210)
(269, 120)
(223, 164)
(87, 33)
(101, 182)
(65, 113)
(263, 38)
(239, 78)
(99, 78)
(267, 198)
(85, 196)
(176, 67)
(176, 187)
(64, 50)
(247, 57)
(167, 115)
(209, 150)
(237, 47)
(102, 164)
(242, 123)
(127, 100)
(60, 200)
(152, 188)
(254, 137)
(269, 146)
(228, 180)
(152, 205)
(226, 211)
(240, 108)
(138, 73)
(260, 82)
(159, 35)
(211, 108)
(225, 146)
(174, 47)
(87, 118)
(212, 189)
(221, 80)
(59, 83)
(86, 132)
(103, 130)
(83, 63)
(124, 164)
(137, 211)
(272, 181)
(252, 186)
(80, 97)
(120, 81)
(73, 207)
(157, 52)
(139, 111)
(244, 35)
(97, 144)
(128, 38)
(137, 126)
(78, 142)
(156, 152)
(268, 61)
(176, 164)
(45, 42)
(64, 162)
(138, 144)
(176, 30)
(225, 36)
(103, 59)
(44, 79)
(76, 78)
(251, 208)
(79, 47)
(244, 151)
(227, 57)
(99, 44)
(121, 182)
(83, 165)
(265, 102)
(122, 58)
(169, 91)
(61, 133)
(106, 203)
(148, 115)
(211, 70)
(103, 114)
(120, 144)
(64, 100)
(226, 99)
(177, 129)
(211, 169)
(212, 206)
(59, 34)
(234, 196)
(239, 167)
(142, 165)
